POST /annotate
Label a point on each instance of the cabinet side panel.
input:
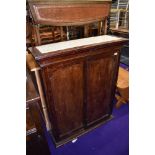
(66, 84)
(99, 80)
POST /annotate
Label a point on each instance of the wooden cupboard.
(79, 78)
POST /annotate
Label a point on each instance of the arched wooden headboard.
(69, 13)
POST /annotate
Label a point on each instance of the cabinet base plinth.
(81, 132)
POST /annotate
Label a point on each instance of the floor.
(124, 59)
(125, 55)
(111, 138)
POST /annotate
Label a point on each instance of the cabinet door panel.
(66, 87)
(100, 74)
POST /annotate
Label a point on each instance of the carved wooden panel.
(66, 92)
(63, 14)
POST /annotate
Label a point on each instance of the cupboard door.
(66, 97)
(100, 78)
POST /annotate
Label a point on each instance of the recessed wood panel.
(66, 86)
(99, 82)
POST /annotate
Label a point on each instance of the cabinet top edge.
(74, 45)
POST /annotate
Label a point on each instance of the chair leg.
(120, 101)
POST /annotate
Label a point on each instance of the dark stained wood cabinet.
(79, 79)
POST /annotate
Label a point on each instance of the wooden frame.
(68, 13)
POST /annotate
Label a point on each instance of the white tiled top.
(76, 43)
